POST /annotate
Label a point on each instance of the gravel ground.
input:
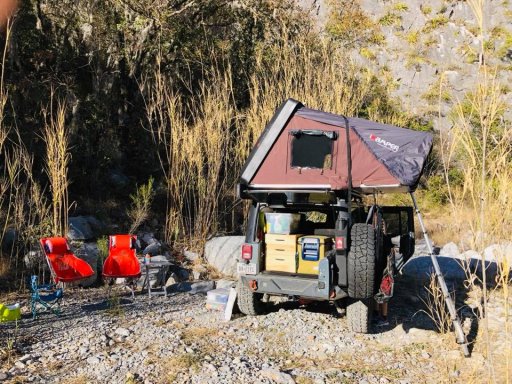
(177, 340)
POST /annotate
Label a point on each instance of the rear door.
(400, 227)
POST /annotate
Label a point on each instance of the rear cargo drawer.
(281, 239)
(280, 248)
(281, 261)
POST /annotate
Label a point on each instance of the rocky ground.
(177, 340)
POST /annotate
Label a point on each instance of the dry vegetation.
(205, 133)
(478, 153)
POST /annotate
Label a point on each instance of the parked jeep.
(309, 233)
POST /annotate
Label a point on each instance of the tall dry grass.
(56, 138)
(196, 138)
(24, 210)
(306, 68)
(479, 145)
(206, 139)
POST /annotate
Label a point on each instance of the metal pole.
(459, 333)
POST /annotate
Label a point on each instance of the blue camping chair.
(47, 296)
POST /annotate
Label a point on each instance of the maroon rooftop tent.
(306, 149)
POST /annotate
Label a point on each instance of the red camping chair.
(122, 260)
(64, 265)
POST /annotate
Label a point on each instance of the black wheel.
(359, 315)
(361, 262)
(249, 302)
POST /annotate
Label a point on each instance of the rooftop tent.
(306, 149)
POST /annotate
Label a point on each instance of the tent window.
(312, 149)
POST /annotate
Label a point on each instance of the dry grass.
(479, 146)
(197, 140)
(81, 379)
(198, 335)
(56, 137)
(435, 306)
(176, 365)
(23, 207)
(206, 140)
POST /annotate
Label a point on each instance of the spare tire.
(361, 262)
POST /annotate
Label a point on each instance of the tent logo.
(384, 143)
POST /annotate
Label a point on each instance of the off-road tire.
(361, 262)
(250, 303)
(359, 315)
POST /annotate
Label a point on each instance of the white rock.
(499, 253)
(450, 249)
(223, 253)
(191, 256)
(93, 360)
(224, 283)
(122, 332)
(24, 358)
(469, 255)
(277, 376)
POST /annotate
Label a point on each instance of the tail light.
(341, 242)
(246, 252)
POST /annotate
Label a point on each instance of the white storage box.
(216, 299)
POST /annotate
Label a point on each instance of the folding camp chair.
(64, 265)
(122, 260)
(47, 296)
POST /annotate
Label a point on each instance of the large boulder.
(192, 287)
(450, 250)
(499, 253)
(79, 229)
(147, 243)
(90, 253)
(223, 253)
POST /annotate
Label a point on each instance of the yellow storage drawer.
(312, 249)
(279, 248)
(281, 239)
(281, 253)
(281, 261)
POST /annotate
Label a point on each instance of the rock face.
(84, 228)
(428, 44)
(9, 239)
(193, 287)
(223, 252)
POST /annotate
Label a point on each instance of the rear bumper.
(293, 285)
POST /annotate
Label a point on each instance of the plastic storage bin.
(282, 223)
(311, 250)
(216, 299)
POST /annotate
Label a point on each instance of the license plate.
(246, 269)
